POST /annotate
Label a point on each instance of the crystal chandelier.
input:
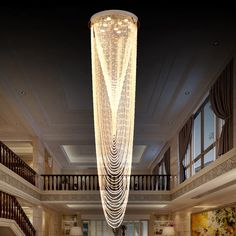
(114, 46)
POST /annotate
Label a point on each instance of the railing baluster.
(77, 179)
(60, 182)
(57, 182)
(95, 182)
(73, 182)
(44, 184)
(90, 182)
(51, 182)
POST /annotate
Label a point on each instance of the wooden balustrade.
(9, 159)
(90, 182)
(11, 209)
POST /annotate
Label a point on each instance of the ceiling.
(45, 74)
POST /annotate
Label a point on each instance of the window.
(203, 147)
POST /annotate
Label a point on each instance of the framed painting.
(214, 222)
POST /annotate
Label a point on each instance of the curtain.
(156, 169)
(166, 160)
(221, 98)
(185, 136)
(167, 167)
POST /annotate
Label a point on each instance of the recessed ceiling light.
(204, 206)
(81, 206)
(73, 205)
(22, 92)
(160, 205)
(216, 43)
(170, 122)
(147, 206)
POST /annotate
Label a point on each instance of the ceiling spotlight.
(22, 92)
(216, 43)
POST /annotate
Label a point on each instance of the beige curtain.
(221, 97)
(185, 136)
(166, 160)
(167, 166)
(156, 169)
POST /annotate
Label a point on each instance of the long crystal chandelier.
(114, 46)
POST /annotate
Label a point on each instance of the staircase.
(9, 159)
(11, 209)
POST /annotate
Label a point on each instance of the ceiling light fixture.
(216, 43)
(114, 46)
(22, 92)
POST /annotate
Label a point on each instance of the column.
(182, 223)
(174, 161)
(234, 99)
(38, 160)
(55, 223)
(38, 220)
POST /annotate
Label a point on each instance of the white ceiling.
(45, 76)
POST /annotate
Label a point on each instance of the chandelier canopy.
(114, 46)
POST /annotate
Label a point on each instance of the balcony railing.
(11, 209)
(90, 182)
(9, 159)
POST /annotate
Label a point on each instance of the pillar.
(38, 220)
(234, 101)
(38, 160)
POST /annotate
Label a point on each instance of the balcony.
(90, 182)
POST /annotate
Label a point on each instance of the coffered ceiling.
(45, 74)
